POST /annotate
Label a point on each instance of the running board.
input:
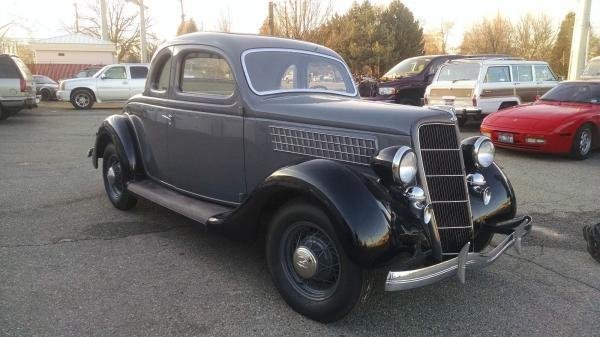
(195, 209)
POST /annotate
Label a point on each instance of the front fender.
(363, 224)
(118, 130)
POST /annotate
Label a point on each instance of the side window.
(435, 65)
(117, 73)
(206, 73)
(288, 80)
(325, 76)
(161, 78)
(138, 72)
(543, 73)
(497, 74)
(522, 73)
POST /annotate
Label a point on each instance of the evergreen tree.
(561, 52)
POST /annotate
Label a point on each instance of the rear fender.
(117, 129)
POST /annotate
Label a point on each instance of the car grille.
(444, 175)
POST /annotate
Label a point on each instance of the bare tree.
(187, 26)
(299, 19)
(445, 28)
(123, 26)
(224, 22)
(534, 37)
(436, 42)
(490, 36)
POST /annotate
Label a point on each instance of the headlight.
(483, 152)
(404, 165)
(384, 91)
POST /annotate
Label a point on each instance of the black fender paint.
(362, 222)
(118, 130)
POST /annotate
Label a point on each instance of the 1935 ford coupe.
(263, 137)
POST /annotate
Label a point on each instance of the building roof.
(76, 38)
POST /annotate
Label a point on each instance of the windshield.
(407, 67)
(592, 69)
(271, 71)
(574, 92)
(459, 72)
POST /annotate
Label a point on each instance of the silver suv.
(17, 88)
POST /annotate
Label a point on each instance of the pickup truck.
(113, 83)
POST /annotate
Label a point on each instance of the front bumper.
(515, 230)
(63, 95)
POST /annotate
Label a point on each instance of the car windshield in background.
(271, 71)
(407, 67)
(574, 92)
(455, 72)
(592, 69)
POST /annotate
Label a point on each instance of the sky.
(42, 18)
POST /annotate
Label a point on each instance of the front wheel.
(116, 174)
(82, 100)
(309, 266)
(582, 143)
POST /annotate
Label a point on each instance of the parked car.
(45, 87)
(592, 70)
(565, 120)
(116, 82)
(336, 185)
(478, 87)
(405, 83)
(86, 72)
(17, 88)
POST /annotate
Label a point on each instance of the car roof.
(595, 81)
(235, 44)
(498, 61)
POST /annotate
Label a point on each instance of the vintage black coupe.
(263, 137)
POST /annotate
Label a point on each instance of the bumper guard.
(515, 230)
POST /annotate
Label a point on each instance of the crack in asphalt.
(66, 240)
(554, 271)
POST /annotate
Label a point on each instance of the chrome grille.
(444, 178)
(336, 146)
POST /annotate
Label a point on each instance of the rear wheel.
(116, 174)
(309, 266)
(45, 95)
(82, 100)
(582, 143)
(462, 121)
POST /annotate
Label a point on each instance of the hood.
(348, 113)
(394, 82)
(539, 116)
(74, 81)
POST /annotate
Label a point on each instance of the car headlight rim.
(483, 152)
(404, 165)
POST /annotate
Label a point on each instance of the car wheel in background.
(582, 142)
(3, 114)
(45, 95)
(82, 99)
(408, 101)
(308, 264)
(116, 174)
(462, 121)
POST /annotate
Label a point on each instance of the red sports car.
(565, 120)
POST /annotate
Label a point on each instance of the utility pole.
(103, 14)
(76, 18)
(182, 15)
(143, 48)
(271, 19)
(581, 32)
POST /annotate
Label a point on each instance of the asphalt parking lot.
(72, 265)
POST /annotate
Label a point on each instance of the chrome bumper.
(408, 279)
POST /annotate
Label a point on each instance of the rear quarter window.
(8, 69)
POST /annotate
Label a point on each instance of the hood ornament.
(449, 109)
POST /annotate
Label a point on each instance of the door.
(113, 84)
(206, 132)
(525, 87)
(151, 120)
(544, 79)
(497, 87)
(138, 76)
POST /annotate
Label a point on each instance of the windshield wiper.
(461, 79)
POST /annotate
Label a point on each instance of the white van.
(476, 87)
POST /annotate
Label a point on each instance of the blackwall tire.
(3, 114)
(116, 174)
(82, 100)
(583, 143)
(332, 291)
(45, 95)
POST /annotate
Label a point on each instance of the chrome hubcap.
(305, 262)
(585, 143)
(82, 100)
(110, 175)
